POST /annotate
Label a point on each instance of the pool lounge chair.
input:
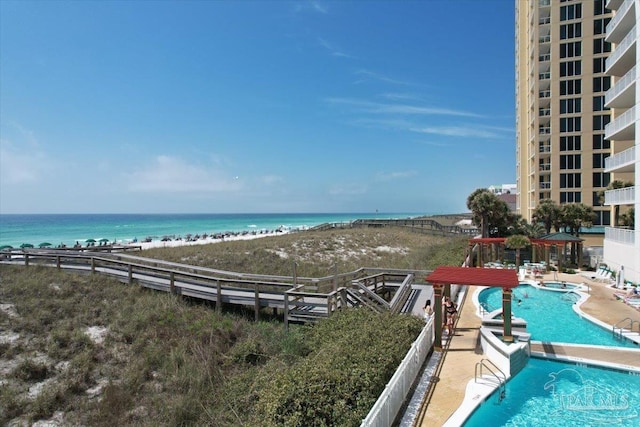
(607, 277)
(593, 275)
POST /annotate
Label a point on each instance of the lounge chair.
(593, 275)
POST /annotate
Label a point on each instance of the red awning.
(495, 277)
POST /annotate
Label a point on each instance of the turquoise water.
(550, 393)
(71, 228)
(550, 316)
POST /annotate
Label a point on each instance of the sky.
(254, 106)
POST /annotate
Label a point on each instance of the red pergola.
(443, 277)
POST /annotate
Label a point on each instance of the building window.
(570, 197)
(570, 124)
(570, 87)
(570, 68)
(601, 46)
(570, 180)
(572, 11)
(570, 161)
(569, 50)
(599, 122)
(602, 218)
(598, 103)
(599, 9)
(570, 143)
(599, 65)
(600, 25)
(601, 179)
(599, 143)
(570, 31)
(598, 160)
(571, 105)
(601, 84)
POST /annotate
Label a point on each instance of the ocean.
(67, 229)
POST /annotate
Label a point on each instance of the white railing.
(545, 57)
(545, 39)
(545, 167)
(545, 186)
(620, 159)
(620, 196)
(620, 235)
(620, 49)
(620, 85)
(544, 112)
(544, 76)
(388, 405)
(624, 7)
(544, 94)
(544, 149)
(544, 131)
(622, 121)
(544, 3)
(545, 20)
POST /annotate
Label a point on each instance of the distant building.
(509, 199)
(503, 189)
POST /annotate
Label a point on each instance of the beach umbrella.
(44, 244)
(26, 245)
(90, 241)
(103, 240)
(2, 248)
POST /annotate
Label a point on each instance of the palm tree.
(547, 212)
(490, 214)
(576, 216)
(517, 242)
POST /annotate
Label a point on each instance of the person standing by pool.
(451, 311)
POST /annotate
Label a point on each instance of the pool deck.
(463, 351)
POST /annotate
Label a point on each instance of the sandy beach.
(228, 237)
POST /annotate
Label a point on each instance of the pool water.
(550, 316)
(551, 393)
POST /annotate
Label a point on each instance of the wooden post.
(257, 301)
(172, 283)
(130, 274)
(58, 261)
(93, 265)
(506, 314)
(286, 311)
(437, 322)
(343, 298)
(218, 296)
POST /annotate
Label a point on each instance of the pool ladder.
(485, 308)
(496, 373)
(619, 328)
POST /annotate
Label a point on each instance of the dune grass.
(87, 350)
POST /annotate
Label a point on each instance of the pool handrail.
(620, 326)
(502, 387)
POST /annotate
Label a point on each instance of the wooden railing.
(302, 299)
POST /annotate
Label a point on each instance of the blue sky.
(254, 106)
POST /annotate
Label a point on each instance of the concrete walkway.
(463, 352)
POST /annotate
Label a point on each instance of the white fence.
(388, 405)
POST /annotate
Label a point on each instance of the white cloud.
(26, 163)
(168, 174)
(381, 108)
(348, 189)
(332, 49)
(391, 176)
(463, 131)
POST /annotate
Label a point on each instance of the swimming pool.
(561, 394)
(550, 316)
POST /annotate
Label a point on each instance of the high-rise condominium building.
(622, 244)
(561, 54)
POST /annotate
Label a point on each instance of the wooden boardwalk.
(300, 299)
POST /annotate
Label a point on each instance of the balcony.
(544, 149)
(544, 20)
(545, 39)
(623, 161)
(544, 94)
(544, 3)
(544, 131)
(613, 4)
(620, 235)
(545, 57)
(544, 76)
(545, 186)
(621, 23)
(623, 127)
(620, 196)
(545, 167)
(623, 58)
(623, 92)
(544, 112)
